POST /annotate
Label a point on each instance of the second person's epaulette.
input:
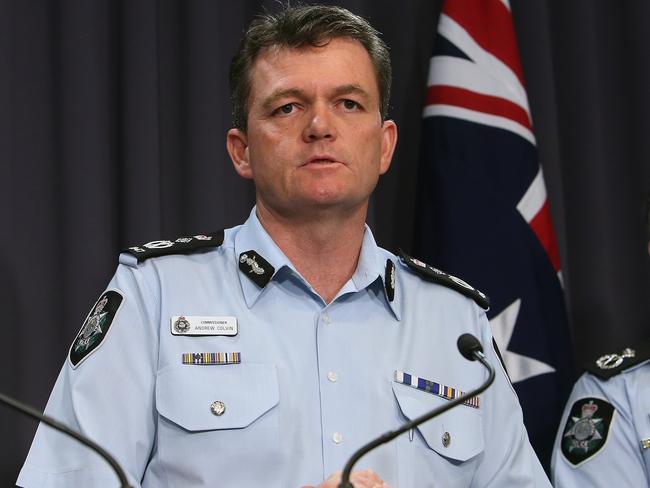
(609, 365)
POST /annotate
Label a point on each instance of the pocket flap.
(462, 426)
(184, 394)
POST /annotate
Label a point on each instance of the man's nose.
(320, 124)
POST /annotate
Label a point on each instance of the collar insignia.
(258, 269)
(389, 280)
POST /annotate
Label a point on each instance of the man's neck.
(324, 248)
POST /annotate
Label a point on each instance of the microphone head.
(468, 345)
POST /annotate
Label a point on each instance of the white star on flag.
(519, 367)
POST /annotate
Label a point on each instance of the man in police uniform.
(266, 354)
(605, 437)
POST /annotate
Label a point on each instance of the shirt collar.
(372, 263)
(253, 237)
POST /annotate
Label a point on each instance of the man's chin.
(318, 204)
(331, 206)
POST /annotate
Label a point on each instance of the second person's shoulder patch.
(586, 430)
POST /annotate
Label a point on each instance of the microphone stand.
(389, 436)
(32, 412)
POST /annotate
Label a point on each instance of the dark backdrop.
(112, 123)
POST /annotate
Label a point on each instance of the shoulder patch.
(586, 429)
(612, 364)
(96, 326)
(181, 245)
(429, 273)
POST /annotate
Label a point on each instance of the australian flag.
(482, 204)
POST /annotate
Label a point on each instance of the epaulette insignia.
(435, 275)
(182, 245)
(612, 364)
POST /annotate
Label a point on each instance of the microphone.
(55, 424)
(470, 347)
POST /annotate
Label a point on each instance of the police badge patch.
(586, 429)
(96, 326)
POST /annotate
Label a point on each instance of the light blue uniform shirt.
(315, 382)
(622, 460)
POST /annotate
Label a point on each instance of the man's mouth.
(321, 160)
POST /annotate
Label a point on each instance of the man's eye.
(285, 109)
(350, 104)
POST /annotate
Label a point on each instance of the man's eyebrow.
(270, 101)
(351, 89)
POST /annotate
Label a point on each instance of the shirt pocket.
(185, 394)
(194, 446)
(442, 451)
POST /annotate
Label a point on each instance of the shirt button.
(218, 408)
(332, 376)
(337, 437)
(326, 319)
(446, 439)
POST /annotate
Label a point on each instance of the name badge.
(186, 325)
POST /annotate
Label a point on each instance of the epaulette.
(610, 365)
(435, 275)
(181, 245)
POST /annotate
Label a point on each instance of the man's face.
(315, 138)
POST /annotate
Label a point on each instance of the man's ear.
(237, 146)
(388, 143)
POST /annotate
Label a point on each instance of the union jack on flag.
(483, 212)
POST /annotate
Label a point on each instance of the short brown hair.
(313, 25)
